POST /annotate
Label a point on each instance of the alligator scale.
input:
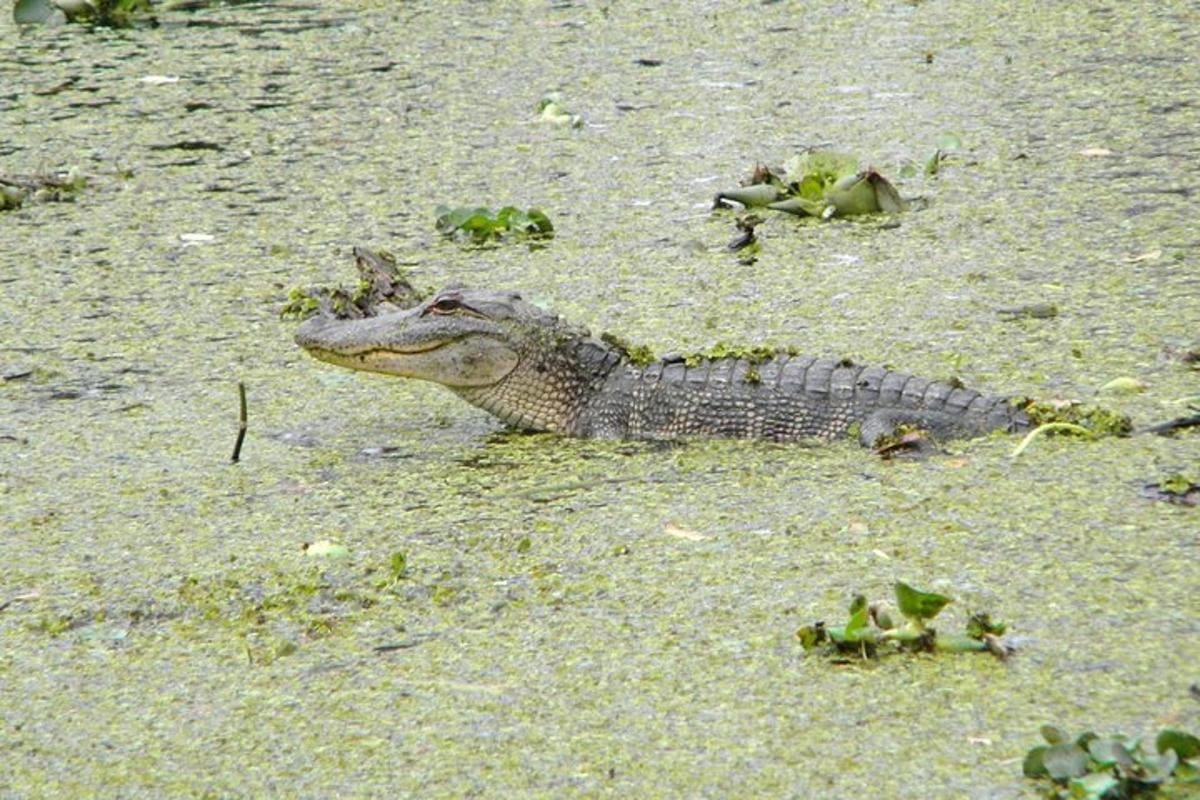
(534, 370)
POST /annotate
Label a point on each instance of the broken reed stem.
(237, 446)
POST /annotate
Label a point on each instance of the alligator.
(534, 370)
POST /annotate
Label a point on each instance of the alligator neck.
(553, 384)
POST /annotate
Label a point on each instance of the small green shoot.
(397, 566)
(478, 225)
(870, 628)
(1092, 767)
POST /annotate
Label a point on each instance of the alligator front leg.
(887, 424)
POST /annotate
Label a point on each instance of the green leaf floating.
(918, 605)
(1184, 744)
(859, 615)
(1065, 761)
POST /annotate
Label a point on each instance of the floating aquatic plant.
(870, 629)
(479, 225)
(818, 183)
(1093, 767)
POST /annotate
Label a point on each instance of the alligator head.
(494, 349)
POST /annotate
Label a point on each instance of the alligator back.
(786, 398)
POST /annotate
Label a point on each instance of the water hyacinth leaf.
(760, 194)
(886, 196)
(1033, 766)
(1065, 761)
(810, 637)
(1184, 744)
(1187, 773)
(821, 168)
(918, 605)
(1160, 769)
(449, 219)
(859, 616)
(540, 221)
(934, 164)
(1054, 734)
(1093, 786)
(981, 623)
(853, 194)
(1109, 752)
(32, 12)
(800, 206)
(480, 224)
(958, 643)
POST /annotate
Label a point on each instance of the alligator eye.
(447, 305)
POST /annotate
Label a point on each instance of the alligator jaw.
(409, 346)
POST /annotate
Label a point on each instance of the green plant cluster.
(1098, 420)
(382, 285)
(818, 183)
(1093, 767)
(478, 225)
(870, 628)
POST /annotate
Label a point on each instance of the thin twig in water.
(1047, 428)
(237, 446)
